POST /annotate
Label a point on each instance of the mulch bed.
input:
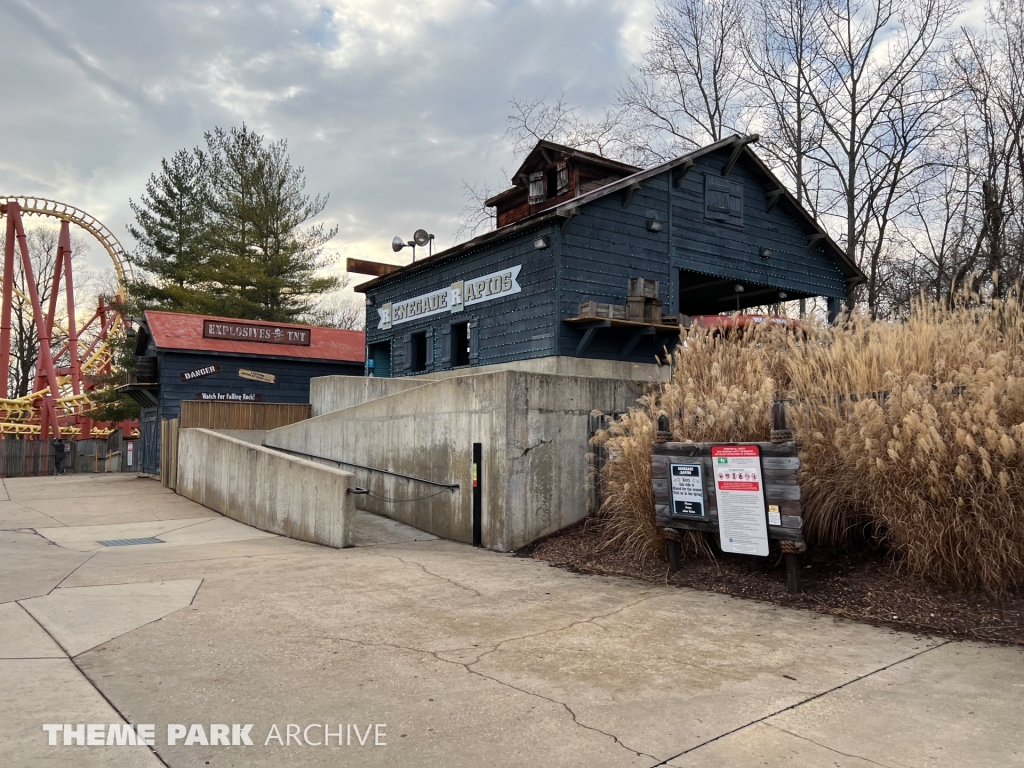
(862, 586)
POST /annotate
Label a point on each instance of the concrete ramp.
(266, 489)
(413, 450)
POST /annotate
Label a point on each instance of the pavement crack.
(435, 575)
(489, 649)
(562, 704)
(803, 701)
(831, 749)
(95, 687)
(73, 570)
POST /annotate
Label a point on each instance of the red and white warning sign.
(741, 517)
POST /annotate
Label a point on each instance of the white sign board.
(454, 298)
(742, 526)
(687, 490)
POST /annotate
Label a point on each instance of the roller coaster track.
(41, 206)
(17, 414)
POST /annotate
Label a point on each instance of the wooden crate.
(642, 286)
(599, 309)
(652, 312)
(635, 308)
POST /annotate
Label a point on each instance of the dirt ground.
(864, 586)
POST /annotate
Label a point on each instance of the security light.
(541, 243)
(766, 253)
(653, 225)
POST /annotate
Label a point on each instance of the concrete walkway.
(466, 657)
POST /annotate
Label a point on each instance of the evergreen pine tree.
(222, 232)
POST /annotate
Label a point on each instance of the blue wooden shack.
(715, 228)
(183, 356)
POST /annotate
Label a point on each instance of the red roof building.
(180, 331)
(195, 357)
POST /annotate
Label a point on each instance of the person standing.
(59, 454)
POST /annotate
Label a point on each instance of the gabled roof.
(178, 331)
(854, 276)
(543, 154)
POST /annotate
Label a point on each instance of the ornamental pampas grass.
(910, 432)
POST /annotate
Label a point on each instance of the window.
(551, 182)
(536, 187)
(460, 344)
(563, 179)
(723, 200)
(418, 355)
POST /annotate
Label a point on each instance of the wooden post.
(793, 572)
(675, 555)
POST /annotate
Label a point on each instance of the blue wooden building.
(715, 228)
(182, 356)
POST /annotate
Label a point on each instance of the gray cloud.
(388, 105)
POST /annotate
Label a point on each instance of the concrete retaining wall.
(266, 489)
(533, 429)
(332, 393)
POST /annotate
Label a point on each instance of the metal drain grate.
(130, 542)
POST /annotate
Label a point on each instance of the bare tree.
(475, 217)
(339, 309)
(990, 67)
(873, 86)
(781, 44)
(691, 87)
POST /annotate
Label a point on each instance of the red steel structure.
(61, 399)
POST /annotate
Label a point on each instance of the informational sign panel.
(266, 378)
(198, 373)
(231, 330)
(742, 526)
(230, 397)
(687, 490)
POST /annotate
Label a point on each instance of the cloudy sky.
(389, 105)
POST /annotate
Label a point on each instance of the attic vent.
(723, 200)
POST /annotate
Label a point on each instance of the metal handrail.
(449, 486)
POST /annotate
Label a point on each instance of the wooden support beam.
(773, 197)
(569, 216)
(630, 191)
(793, 573)
(634, 340)
(679, 173)
(812, 242)
(376, 268)
(589, 336)
(737, 150)
(675, 555)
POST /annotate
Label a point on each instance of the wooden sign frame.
(779, 466)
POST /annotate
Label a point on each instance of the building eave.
(512, 230)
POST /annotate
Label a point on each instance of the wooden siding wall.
(514, 327)
(607, 243)
(263, 416)
(723, 251)
(33, 458)
(291, 385)
(601, 248)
